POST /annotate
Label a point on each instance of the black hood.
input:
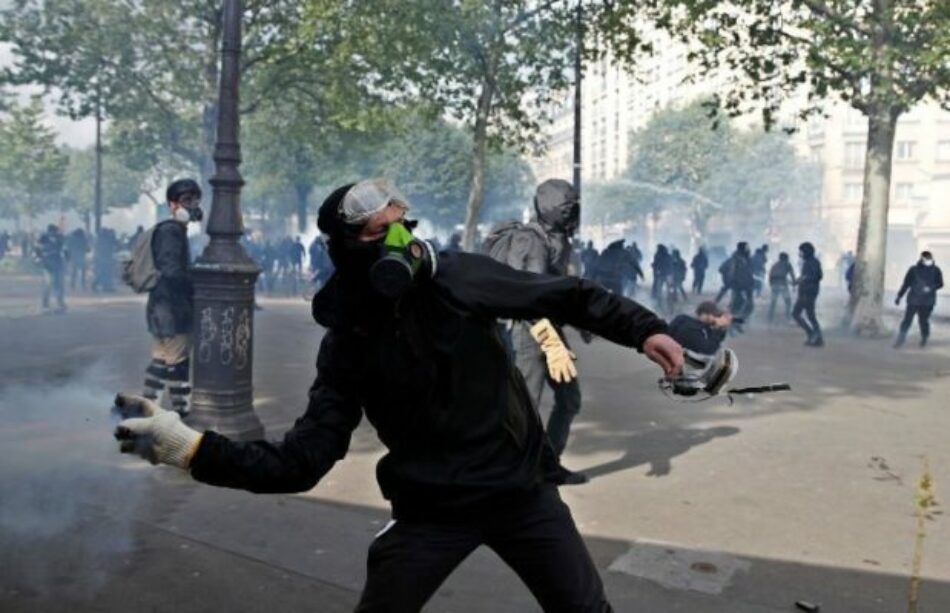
(557, 205)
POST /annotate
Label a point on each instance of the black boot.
(899, 342)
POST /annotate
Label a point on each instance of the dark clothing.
(51, 251)
(810, 280)
(615, 266)
(534, 534)
(51, 255)
(696, 335)
(741, 272)
(699, 264)
(806, 303)
(921, 284)
(589, 258)
(445, 397)
(923, 320)
(171, 302)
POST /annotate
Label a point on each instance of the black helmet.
(557, 205)
(181, 187)
(807, 249)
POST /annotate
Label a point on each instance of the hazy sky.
(77, 134)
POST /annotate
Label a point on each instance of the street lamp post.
(224, 275)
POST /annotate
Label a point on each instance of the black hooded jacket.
(170, 306)
(921, 284)
(433, 377)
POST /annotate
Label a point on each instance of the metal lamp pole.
(224, 275)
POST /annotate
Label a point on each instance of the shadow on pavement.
(657, 448)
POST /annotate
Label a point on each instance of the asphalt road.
(748, 507)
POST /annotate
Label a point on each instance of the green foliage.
(430, 161)
(681, 160)
(121, 186)
(872, 55)
(32, 166)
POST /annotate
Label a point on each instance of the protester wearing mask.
(541, 351)
(921, 283)
(169, 311)
(413, 342)
(809, 282)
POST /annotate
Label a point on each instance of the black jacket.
(810, 280)
(433, 377)
(696, 335)
(170, 303)
(922, 283)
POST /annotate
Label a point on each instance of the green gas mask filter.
(404, 258)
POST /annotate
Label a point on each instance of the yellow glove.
(559, 358)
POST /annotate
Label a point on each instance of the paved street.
(747, 507)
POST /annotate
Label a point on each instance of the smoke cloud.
(68, 500)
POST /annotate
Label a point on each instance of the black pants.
(698, 278)
(923, 319)
(807, 304)
(742, 302)
(535, 536)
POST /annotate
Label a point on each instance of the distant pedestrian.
(759, 262)
(742, 282)
(589, 260)
(50, 254)
(77, 245)
(921, 284)
(103, 261)
(678, 265)
(781, 277)
(4, 244)
(455, 242)
(699, 264)
(662, 266)
(809, 282)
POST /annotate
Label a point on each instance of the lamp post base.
(223, 396)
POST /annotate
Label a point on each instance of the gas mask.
(706, 376)
(557, 206)
(404, 258)
(188, 214)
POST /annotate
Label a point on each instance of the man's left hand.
(662, 349)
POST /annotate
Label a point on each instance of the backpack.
(511, 242)
(139, 272)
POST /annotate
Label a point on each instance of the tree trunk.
(479, 147)
(865, 306)
(303, 196)
(98, 189)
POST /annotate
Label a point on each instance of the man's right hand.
(897, 301)
(153, 433)
(662, 349)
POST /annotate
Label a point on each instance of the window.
(943, 150)
(904, 192)
(905, 149)
(854, 155)
(853, 191)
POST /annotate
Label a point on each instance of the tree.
(880, 56)
(79, 50)
(676, 154)
(764, 176)
(31, 164)
(121, 186)
(486, 64)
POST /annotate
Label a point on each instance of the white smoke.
(68, 500)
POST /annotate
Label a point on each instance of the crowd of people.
(745, 274)
(74, 261)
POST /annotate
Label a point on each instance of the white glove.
(155, 434)
(559, 358)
